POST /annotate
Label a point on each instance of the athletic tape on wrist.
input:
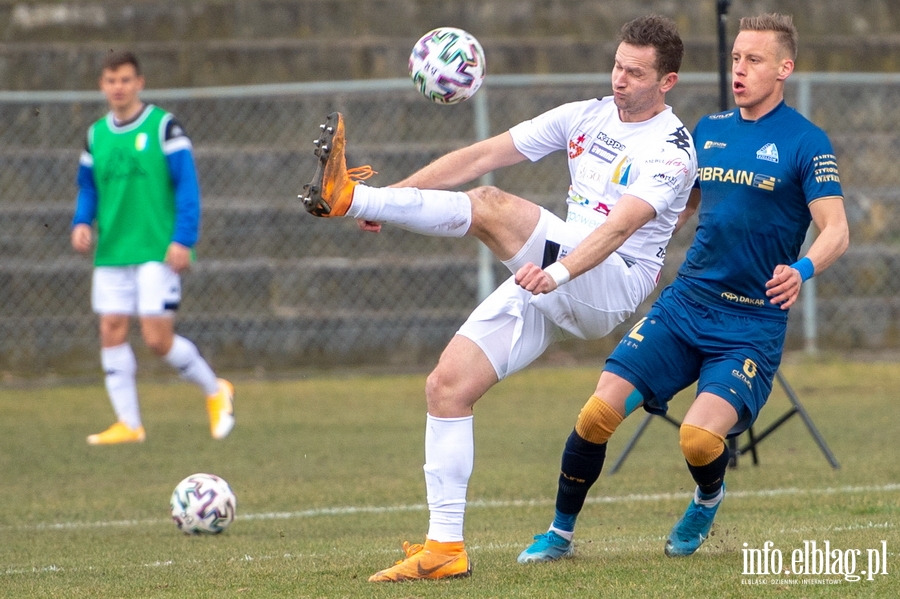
(805, 267)
(559, 273)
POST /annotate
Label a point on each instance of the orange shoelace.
(361, 173)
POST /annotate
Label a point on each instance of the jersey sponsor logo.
(621, 172)
(576, 146)
(737, 176)
(714, 144)
(583, 201)
(679, 164)
(681, 140)
(584, 172)
(740, 299)
(604, 154)
(671, 180)
(826, 169)
(764, 182)
(768, 152)
(746, 374)
(742, 377)
(578, 198)
(720, 116)
(610, 142)
(140, 141)
(583, 219)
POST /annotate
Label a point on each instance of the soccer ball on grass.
(447, 65)
(203, 504)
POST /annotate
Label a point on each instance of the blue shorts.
(682, 340)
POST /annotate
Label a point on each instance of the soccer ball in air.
(203, 503)
(447, 65)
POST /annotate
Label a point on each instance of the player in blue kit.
(764, 173)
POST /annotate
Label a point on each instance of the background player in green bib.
(764, 173)
(138, 183)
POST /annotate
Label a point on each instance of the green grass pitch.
(328, 476)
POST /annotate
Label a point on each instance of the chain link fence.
(276, 289)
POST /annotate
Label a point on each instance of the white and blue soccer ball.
(447, 65)
(203, 504)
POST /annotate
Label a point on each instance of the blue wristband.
(805, 267)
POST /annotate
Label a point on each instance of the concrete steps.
(224, 42)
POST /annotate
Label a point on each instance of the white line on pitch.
(349, 510)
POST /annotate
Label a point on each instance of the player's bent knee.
(445, 396)
(700, 446)
(597, 421)
(485, 193)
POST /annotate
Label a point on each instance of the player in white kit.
(632, 165)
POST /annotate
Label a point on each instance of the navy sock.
(582, 462)
(710, 477)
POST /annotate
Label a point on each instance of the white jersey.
(653, 160)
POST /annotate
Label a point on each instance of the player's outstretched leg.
(431, 561)
(330, 192)
(689, 533)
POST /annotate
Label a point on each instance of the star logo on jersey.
(768, 152)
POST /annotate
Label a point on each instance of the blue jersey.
(757, 179)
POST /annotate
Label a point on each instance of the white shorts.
(513, 327)
(151, 289)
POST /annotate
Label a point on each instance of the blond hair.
(781, 25)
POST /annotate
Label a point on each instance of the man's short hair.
(660, 33)
(781, 25)
(118, 58)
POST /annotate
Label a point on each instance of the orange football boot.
(330, 193)
(431, 561)
(118, 433)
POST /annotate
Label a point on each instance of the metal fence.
(276, 289)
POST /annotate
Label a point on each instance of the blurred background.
(275, 290)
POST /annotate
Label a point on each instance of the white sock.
(427, 211)
(190, 364)
(449, 459)
(708, 502)
(119, 368)
(566, 534)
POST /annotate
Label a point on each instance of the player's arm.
(180, 159)
(689, 209)
(833, 239)
(466, 164)
(85, 204)
(628, 215)
(458, 168)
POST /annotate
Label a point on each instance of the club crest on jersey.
(140, 142)
(576, 146)
(768, 152)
